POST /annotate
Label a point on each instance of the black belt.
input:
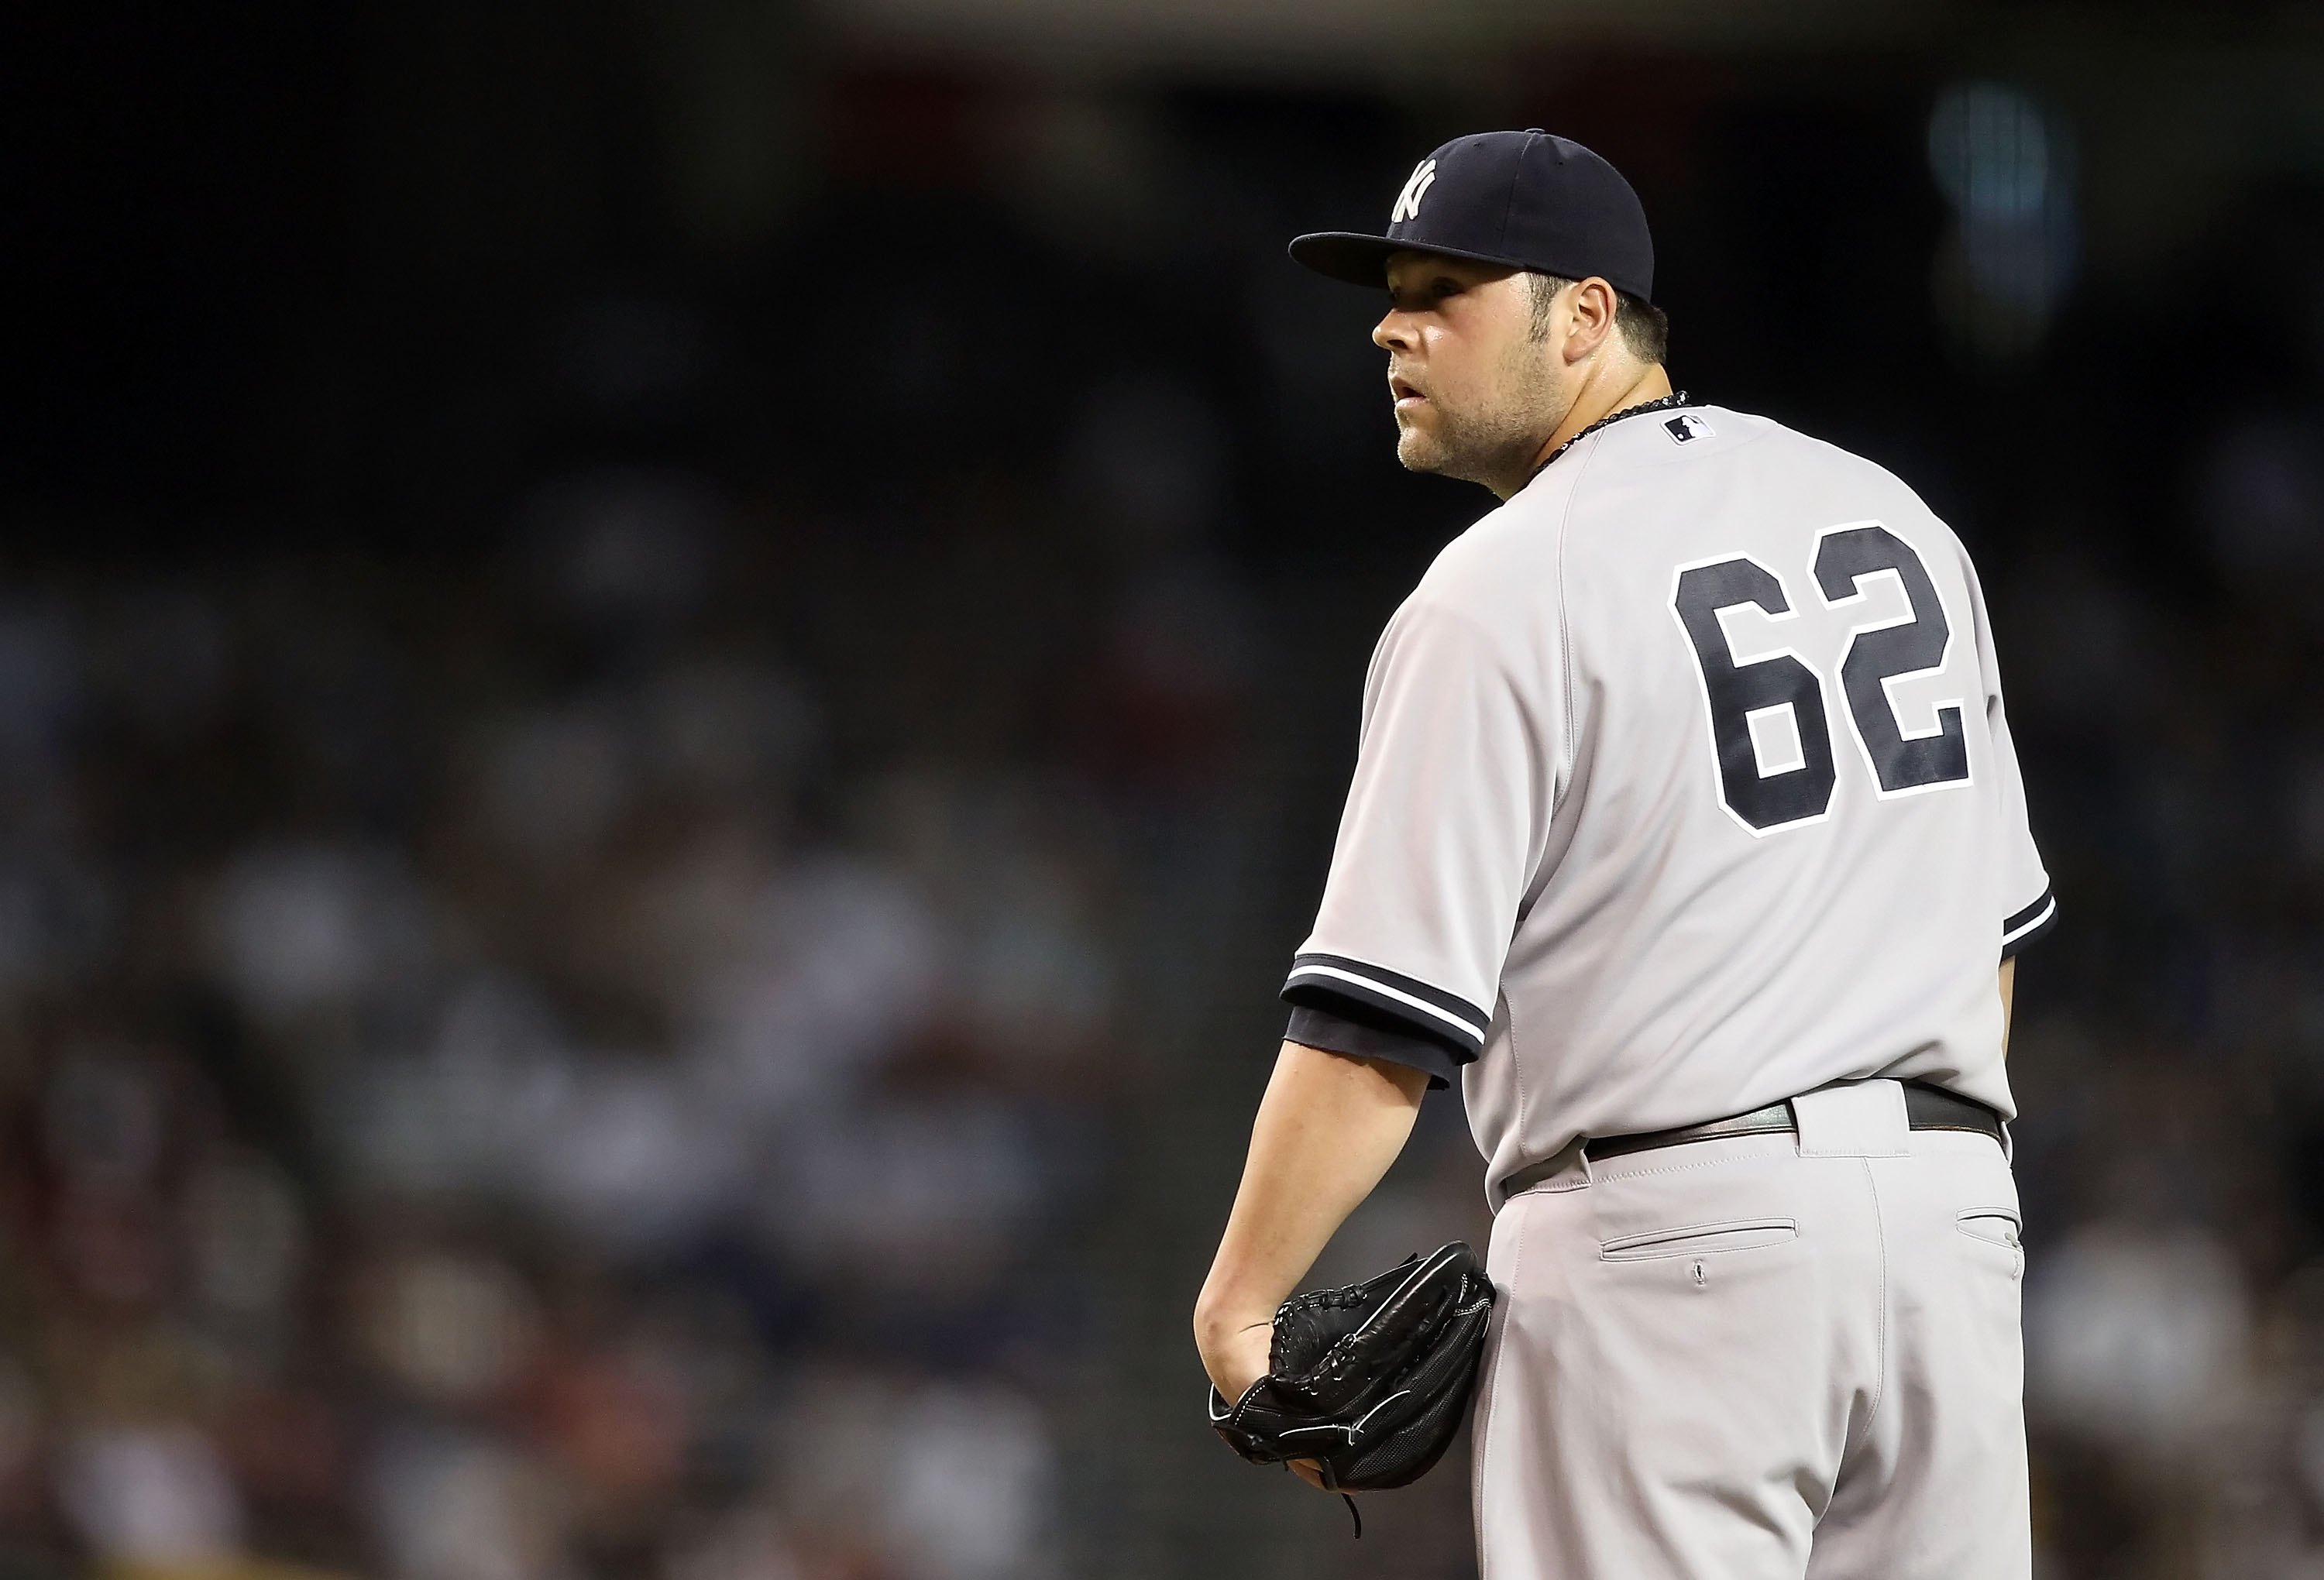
(1926, 1107)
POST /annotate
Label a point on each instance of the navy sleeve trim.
(1352, 1039)
(2029, 923)
(1330, 981)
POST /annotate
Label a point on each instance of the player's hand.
(1239, 1361)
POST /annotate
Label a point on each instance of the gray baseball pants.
(1771, 1357)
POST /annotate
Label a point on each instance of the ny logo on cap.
(1407, 202)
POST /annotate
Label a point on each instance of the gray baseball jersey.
(1683, 787)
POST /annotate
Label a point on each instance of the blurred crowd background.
(674, 679)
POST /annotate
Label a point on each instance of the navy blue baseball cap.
(1525, 199)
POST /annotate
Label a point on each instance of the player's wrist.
(1236, 1360)
(1217, 1332)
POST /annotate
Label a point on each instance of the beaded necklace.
(1664, 403)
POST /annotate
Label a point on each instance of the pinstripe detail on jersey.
(1429, 1010)
(2029, 923)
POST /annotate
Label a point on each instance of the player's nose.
(1394, 331)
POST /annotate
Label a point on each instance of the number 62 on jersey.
(1770, 734)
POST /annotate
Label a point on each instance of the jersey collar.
(1661, 403)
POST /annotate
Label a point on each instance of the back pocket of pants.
(1996, 1226)
(1742, 1235)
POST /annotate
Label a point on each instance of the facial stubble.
(1495, 438)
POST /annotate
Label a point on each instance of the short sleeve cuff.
(1375, 997)
(2031, 922)
(1352, 1039)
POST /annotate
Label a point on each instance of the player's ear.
(1593, 308)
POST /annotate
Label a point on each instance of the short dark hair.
(1645, 327)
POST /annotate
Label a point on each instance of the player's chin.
(1419, 451)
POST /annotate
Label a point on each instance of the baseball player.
(1686, 834)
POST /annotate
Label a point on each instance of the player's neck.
(1594, 404)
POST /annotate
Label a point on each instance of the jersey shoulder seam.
(1565, 637)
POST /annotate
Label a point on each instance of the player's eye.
(1419, 298)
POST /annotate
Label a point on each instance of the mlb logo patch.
(1687, 427)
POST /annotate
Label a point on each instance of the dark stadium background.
(673, 679)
